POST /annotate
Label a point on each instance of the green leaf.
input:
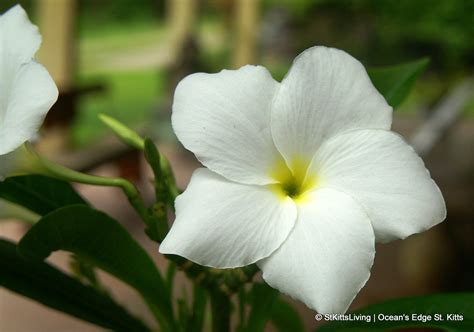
(262, 298)
(285, 318)
(438, 304)
(183, 313)
(51, 287)
(101, 240)
(170, 274)
(395, 82)
(242, 301)
(196, 322)
(221, 307)
(266, 305)
(38, 193)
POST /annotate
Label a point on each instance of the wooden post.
(246, 19)
(181, 19)
(56, 21)
(182, 15)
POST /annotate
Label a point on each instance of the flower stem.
(63, 173)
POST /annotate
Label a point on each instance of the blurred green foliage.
(7, 4)
(120, 10)
(389, 31)
(377, 32)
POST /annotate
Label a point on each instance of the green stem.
(220, 309)
(168, 174)
(165, 184)
(64, 173)
(127, 135)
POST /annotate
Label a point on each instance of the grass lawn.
(131, 94)
(109, 53)
(131, 97)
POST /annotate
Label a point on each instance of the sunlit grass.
(130, 97)
(131, 94)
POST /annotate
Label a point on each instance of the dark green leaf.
(220, 308)
(38, 193)
(442, 304)
(285, 318)
(262, 298)
(196, 322)
(395, 82)
(183, 314)
(242, 296)
(42, 194)
(53, 288)
(170, 274)
(99, 239)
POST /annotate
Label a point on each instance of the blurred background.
(125, 57)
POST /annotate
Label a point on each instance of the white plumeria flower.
(303, 176)
(27, 91)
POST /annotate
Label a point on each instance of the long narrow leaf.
(395, 82)
(285, 318)
(198, 308)
(262, 298)
(51, 287)
(101, 240)
(38, 193)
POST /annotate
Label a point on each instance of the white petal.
(224, 119)
(325, 92)
(27, 92)
(385, 175)
(224, 224)
(28, 96)
(19, 39)
(327, 257)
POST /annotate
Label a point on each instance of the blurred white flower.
(302, 176)
(27, 91)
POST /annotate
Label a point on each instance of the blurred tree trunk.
(182, 19)
(57, 23)
(182, 15)
(56, 20)
(246, 19)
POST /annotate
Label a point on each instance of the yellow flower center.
(294, 182)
